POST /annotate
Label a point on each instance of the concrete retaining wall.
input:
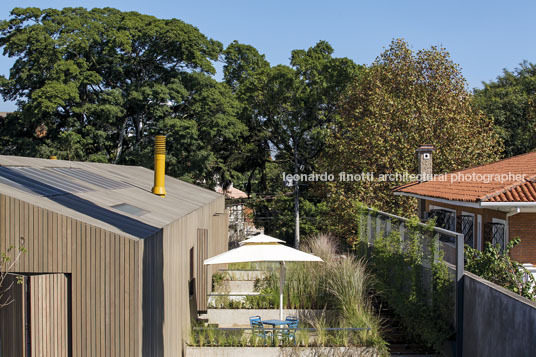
(235, 286)
(279, 351)
(497, 322)
(244, 274)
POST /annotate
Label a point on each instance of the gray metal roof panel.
(90, 177)
(95, 205)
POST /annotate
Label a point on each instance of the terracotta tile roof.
(232, 192)
(471, 185)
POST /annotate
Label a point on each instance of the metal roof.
(98, 193)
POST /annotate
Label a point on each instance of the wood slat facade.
(49, 317)
(126, 297)
(13, 317)
(202, 271)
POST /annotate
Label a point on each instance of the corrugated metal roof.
(90, 177)
(88, 191)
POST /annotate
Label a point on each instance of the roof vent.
(159, 166)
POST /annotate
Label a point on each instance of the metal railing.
(310, 329)
(378, 222)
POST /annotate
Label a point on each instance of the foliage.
(511, 102)
(341, 286)
(99, 84)
(411, 277)
(8, 260)
(403, 100)
(497, 267)
(319, 337)
(287, 110)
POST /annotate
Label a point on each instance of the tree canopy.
(405, 99)
(99, 84)
(511, 102)
(288, 110)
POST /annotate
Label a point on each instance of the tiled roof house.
(489, 203)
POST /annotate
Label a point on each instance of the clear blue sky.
(482, 36)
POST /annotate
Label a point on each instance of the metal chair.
(257, 327)
(290, 333)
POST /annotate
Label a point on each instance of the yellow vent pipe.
(159, 166)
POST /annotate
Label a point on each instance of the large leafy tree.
(288, 110)
(98, 84)
(511, 102)
(404, 99)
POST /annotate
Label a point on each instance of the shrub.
(497, 267)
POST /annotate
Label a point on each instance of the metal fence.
(374, 224)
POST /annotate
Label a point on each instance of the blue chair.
(290, 333)
(257, 327)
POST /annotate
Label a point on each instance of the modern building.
(491, 203)
(110, 268)
(241, 223)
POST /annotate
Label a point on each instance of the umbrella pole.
(281, 284)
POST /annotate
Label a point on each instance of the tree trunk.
(119, 150)
(296, 199)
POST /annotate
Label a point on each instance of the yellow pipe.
(159, 165)
(52, 158)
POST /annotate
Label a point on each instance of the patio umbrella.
(263, 248)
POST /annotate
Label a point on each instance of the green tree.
(511, 102)
(288, 109)
(245, 71)
(99, 84)
(404, 99)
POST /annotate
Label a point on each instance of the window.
(468, 228)
(446, 219)
(499, 233)
(191, 281)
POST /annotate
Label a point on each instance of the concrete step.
(235, 286)
(243, 274)
(216, 298)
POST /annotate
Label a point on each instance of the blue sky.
(483, 37)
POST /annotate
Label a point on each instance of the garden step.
(219, 299)
(393, 333)
(236, 286)
(243, 274)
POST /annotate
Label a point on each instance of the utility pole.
(296, 199)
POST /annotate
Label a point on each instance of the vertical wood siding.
(104, 270)
(48, 315)
(12, 318)
(127, 297)
(166, 272)
(202, 273)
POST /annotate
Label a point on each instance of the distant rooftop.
(511, 189)
(232, 192)
(115, 197)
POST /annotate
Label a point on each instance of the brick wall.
(523, 226)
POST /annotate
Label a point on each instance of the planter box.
(240, 317)
(279, 351)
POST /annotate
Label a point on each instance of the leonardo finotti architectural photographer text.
(402, 177)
